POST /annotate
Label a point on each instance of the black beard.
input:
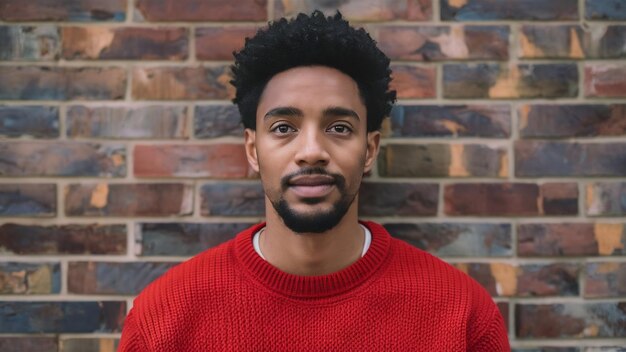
(317, 222)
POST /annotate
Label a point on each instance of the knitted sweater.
(395, 298)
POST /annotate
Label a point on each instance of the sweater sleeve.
(493, 337)
(132, 340)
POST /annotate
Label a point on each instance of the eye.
(340, 129)
(283, 129)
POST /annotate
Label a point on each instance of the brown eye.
(283, 129)
(340, 129)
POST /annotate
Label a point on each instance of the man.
(312, 93)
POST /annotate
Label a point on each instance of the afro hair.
(314, 40)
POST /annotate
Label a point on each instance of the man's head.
(312, 93)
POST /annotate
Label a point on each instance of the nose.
(311, 149)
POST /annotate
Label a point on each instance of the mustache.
(338, 179)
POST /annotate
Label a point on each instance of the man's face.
(311, 146)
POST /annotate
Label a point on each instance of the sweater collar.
(312, 287)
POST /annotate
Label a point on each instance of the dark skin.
(311, 117)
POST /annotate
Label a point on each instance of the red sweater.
(395, 298)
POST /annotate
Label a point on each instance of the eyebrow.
(289, 111)
(339, 111)
(283, 111)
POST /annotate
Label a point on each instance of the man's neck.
(312, 254)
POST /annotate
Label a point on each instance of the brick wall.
(121, 155)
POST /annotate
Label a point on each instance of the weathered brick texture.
(66, 239)
(456, 239)
(224, 161)
(361, 10)
(605, 80)
(512, 81)
(62, 83)
(61, 316)
(174, 83)
(428, 43)
(125, 43)
(422, 120)
(121, 155)
(532, 280)
(32, 200)
(51, 10)
(29, 278)
(511, 199)
(486, 10)
(141, 122)
(32, 121)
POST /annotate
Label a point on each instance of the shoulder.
(444, 281)
(185, 278)
(197, 279)
(453, 292)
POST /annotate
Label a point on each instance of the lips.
(311, 186)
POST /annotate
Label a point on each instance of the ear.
(249, 136)
(373, 145)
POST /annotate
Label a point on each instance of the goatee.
(317, 222)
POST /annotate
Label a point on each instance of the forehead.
(310, 87)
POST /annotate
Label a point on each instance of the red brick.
(549, 159)
(182, 83)
(605, 279)
(359, 10)
(594, 41)
(437, 43)
(63, 239)
(32, 200)
(125, 43)
(567, 120)
(487, 121)
(398, 199)
(532, 280)
(414, 81)
(510, 81)
(62, 159)
(218, 43)
(442, 160)
(201, 10)
(154, 199)
(51, 10)
(570, 320)
(62, 83)
(571, 239)
(605, 80)
(213, 161)
(511, 199)
(489, 10)
(128, 122)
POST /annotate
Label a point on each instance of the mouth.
(312, 186)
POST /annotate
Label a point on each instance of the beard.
(314, 222)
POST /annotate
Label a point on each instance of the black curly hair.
(309, 41)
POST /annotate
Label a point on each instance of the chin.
(312, 221)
